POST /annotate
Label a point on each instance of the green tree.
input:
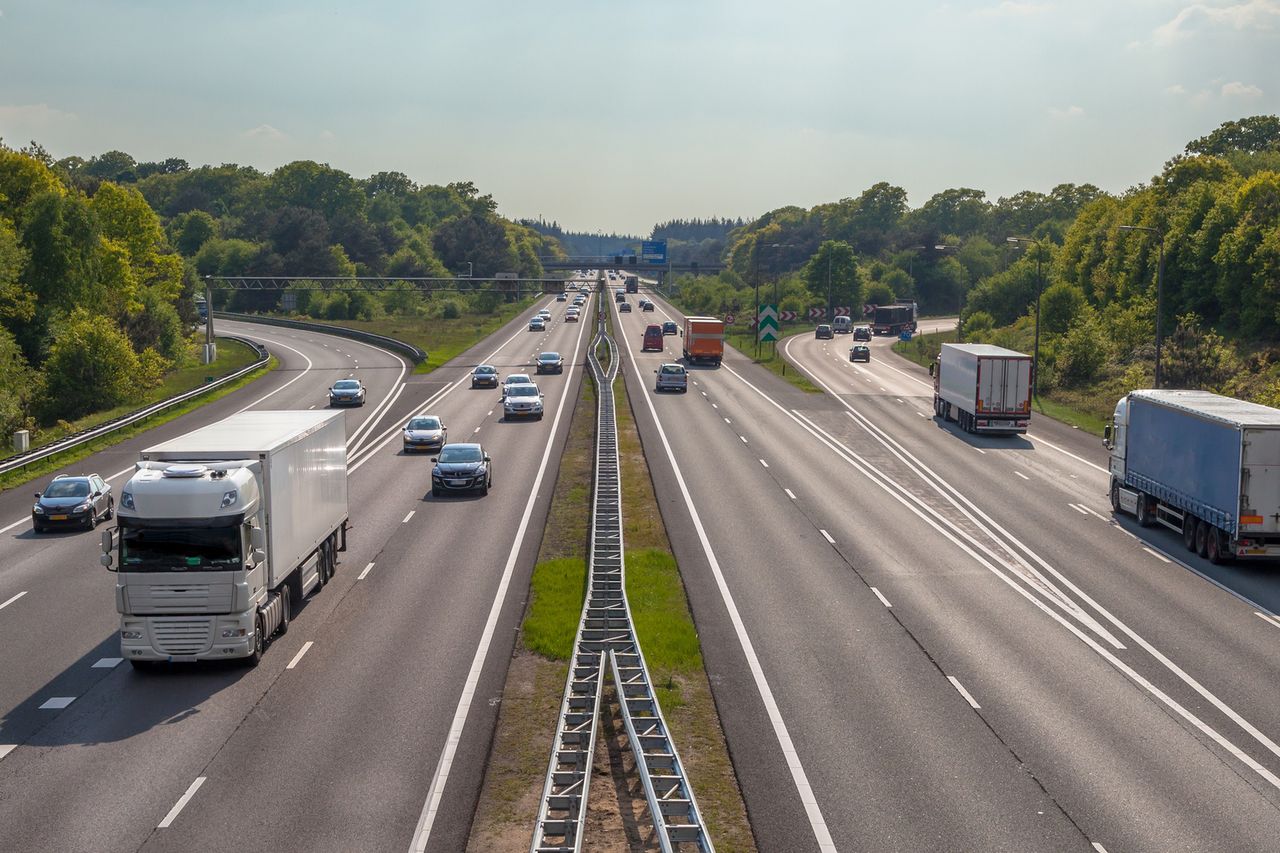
(18, 380)
(1083, 351)
(880, 293)
(17, 303)
(833, 278)
(328, 191)
(1196, 357)
(191, 230)
(1255, 133)
(91, 366)
(1060, 304)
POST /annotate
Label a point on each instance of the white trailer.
(223, 530)
(982, 387)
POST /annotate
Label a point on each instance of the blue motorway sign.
(653, 251)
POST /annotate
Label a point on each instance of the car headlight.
(84, 507)
(126, 500)
(37, 509)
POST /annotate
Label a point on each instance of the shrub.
(91, 366)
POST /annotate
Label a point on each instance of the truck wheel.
(1202, 539)
(259, 642)
(286, 610)
(1115, 496)
(1189, 531)
(1216, 553)
(1144, 510)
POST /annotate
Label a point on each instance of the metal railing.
(20, 460)
(607, 636)
(415, 354)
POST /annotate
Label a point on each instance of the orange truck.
(703, 340)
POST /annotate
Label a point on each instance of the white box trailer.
(224, 529)
(984, 388)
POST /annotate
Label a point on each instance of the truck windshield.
(180, 549)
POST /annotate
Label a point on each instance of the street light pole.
(1159, 289)
(1035, 358)
(829, 301)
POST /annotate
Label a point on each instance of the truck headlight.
(129, 634)
(126, 500)
(229, 498)
(230, 633)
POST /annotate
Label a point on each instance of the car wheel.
(36, 528)
(111, 509)
(435, 492)
(92, 521)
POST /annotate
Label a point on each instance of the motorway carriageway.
(925, 640)
(367, 726)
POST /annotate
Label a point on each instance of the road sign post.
(767, 323)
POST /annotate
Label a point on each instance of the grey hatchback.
(73, 502)
(672, 377)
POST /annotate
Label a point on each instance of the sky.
(615, 116)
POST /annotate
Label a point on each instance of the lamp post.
(1159, 288)
(755, 262)
(1035, 358)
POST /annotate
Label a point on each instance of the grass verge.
(62, 460)
(924, 349)
(744, 341)
(442, 339)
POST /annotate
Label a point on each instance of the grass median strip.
(770, 359)
(237, 356)
(617, 814)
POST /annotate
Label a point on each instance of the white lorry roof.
(987, 349)
(1206, 404)
(245, 434)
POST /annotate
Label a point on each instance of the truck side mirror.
(933, 368)
(105, 559)
(108, 541)
(257, 538)
(1106, 435)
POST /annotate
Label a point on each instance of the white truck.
(1201, 464)
(222, 531)
(982, 387)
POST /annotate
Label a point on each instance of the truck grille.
(181, 636)
(180, 597)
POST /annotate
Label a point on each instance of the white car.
(522, 401)
(672, 377)
(537, 324)
(515, 379)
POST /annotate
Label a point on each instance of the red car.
(652, 338)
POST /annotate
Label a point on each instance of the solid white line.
(1268, 618)
(365, 573)
(107, 663)
(880, 596)
(799, 778)
(1161, 557)
(6, 748)
(13, 599)
(301, 374)
(181, 803)
(1099, 847)
(765, 464)
(298, 657)
(790, 494)
(441, 776)
(1022, 475)
(409, 516)
(57, 703)
(965, 693)
(827, 536)
(26, 519)
(980, 450)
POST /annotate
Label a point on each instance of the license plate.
(457, 482)
(57, 518)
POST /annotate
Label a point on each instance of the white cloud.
(264, 131)
(1176, 89)
(1248, 15)
(1236, 89)
(32, 115)
(1070, 112)
(1012, 9)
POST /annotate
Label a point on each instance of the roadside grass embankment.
(1086, 409)
(232, 356)
(442, 338)
(744, 341)
(617, 813)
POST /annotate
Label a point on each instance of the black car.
(646, 305)
(862, 333)
(485, 375)
(624, 306)
(823, 331)
(670, 328)
(347, 392)
(860, 352)
(461, 468)
(550, 362)
(73, 502)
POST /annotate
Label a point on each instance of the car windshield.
(424, 423)
(346, 385)
(67, 489)
(522, 391)
(180, 549)
(549, 356)
(484, 368)
(672, 369)
(461, 453)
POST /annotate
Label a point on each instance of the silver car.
(522, 401)
(672, 377)
(515, 379)
(424, 432)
